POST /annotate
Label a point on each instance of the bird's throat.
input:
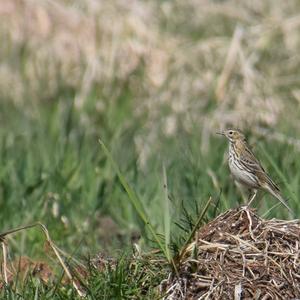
(237, 147)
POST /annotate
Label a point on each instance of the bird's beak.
(220, 133)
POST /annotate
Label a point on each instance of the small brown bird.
(246, 169)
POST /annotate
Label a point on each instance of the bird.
(246, 168)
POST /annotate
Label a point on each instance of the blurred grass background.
(154, 80)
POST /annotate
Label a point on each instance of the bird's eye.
(230, 132)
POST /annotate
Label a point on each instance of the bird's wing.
(250, 161)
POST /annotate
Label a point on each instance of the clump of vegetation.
(239, 255)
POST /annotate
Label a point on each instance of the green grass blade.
(199, 220)
(191, 235)
(133, 198)
(167, 219)
(280, 174)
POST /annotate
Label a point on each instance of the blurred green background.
(154, 80)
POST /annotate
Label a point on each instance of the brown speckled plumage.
(246, 168)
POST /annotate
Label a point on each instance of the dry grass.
(25, 266)
(238, 255)
(241, 58)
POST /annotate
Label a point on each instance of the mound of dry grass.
(239, 256)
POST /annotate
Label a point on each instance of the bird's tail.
(276, 193)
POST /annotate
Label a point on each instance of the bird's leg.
(242, 191)
(252, 197)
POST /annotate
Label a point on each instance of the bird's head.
(233, 135)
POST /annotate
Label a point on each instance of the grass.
(149, 87)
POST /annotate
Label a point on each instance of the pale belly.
(242, 176)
